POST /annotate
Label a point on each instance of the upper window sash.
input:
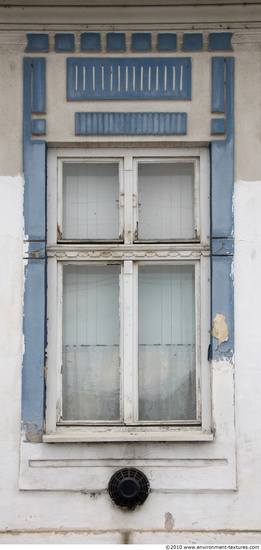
(128, 213)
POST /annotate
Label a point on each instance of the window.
(128, 293)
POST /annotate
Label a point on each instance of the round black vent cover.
(128, 488)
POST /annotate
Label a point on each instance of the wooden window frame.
(130, 254)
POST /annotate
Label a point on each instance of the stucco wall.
(216, 513)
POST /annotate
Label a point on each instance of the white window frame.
(196, 253)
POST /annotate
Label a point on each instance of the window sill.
(113, 435)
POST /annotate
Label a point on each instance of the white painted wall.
(227, 500)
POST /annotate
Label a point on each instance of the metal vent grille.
(129, 488)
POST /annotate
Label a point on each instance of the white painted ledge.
(126, 436)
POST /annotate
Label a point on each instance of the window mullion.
(129, 356)
(128, 229)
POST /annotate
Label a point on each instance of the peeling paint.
(169, 521)
(32, 433)
(220, 328)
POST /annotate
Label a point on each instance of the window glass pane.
(166, 201)
(167, 371)
(90, 201)
(91, 378)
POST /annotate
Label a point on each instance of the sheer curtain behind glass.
(91, 379)
(167, 361)
(166, 201)
(91, 201)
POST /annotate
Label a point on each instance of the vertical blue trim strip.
(39, 87)
(130, 123)
(222, 223)
(222, 163)
(128, 78)
(34, 325)
(218, 85)
(223, 303)
(34, 354)
(34, 159)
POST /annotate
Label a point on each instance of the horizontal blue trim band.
(130, 123)
(128, 78)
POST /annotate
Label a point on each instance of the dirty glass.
(90, 373)
(166, 201)
(90, 201)
(167, 360)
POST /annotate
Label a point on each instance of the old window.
(128, 293)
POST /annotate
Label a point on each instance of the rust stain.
(59, 233)
(220, 328)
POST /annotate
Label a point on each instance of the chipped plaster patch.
(220, 328)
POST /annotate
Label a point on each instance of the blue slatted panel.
(133, 78)
(130, 123)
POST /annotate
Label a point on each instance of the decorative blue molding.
(128, 78)
(64, 42)
(218, 85)
(141, 41)
(39, 127)
(219, 41)
(130, 123)
(90, 41)
(167, 42)
(34, 158)
(222, 222)
(115, 41)
(218, 126)
(37, 43)
(35, 250)
(39, 86)
(192, 42)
